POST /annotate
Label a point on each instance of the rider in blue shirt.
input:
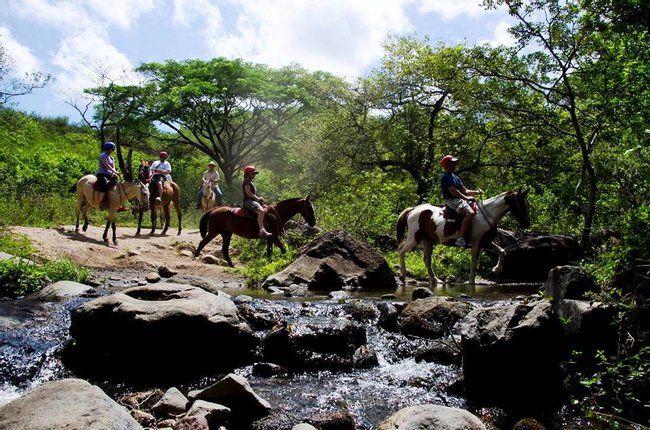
(456, 195)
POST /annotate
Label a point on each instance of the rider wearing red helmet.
(456, 195)
(161, 170)
(252, 201)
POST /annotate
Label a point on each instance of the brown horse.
(171, 194)
(223, 221)
(88, 197)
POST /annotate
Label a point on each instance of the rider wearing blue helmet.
(106, 175)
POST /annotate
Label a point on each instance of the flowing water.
(29, 357)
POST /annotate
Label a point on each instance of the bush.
(19, 278)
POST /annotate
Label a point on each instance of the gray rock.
(62, 290)
(432, 317)
(120, 336)
(431, 417)
(69, 404)
(568, 282)
(234, 392)
(195, 422)
(529, 337)
(172, 403)
(214, 413)
(336, 261)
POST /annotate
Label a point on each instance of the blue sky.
(80, 42)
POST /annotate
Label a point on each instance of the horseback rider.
(161, 170)
(457, 196)
(211, 175)
(107, 176)
(252, 201)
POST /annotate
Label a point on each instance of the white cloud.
(88, 60)
(450, 9)
(21, 58)
(501, 36)
(187, 11)
(64, 15)
(339, 36)
(119, 12)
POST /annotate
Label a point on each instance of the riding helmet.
(108, 145)
(447, 159)
(249, 169)
(163, 154)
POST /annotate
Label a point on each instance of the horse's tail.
(73, 189)
(203, 223)
(401, 224)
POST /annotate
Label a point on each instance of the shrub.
(19, 278)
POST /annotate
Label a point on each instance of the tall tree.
(230, 110)
(555, 57)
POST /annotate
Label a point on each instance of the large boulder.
(168, 331)
(568, 282)
(431, 417)
(512, 356)
(336, 261)
(530, 257)
(432, 317)
(66, 404)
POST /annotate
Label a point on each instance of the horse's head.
(518, 205)
(308, 213)
(143, 196)
(143, 171)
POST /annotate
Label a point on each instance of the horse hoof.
(115, 242)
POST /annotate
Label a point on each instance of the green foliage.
(14, 244)
(19, 278)
(256, 266)
(618, 388)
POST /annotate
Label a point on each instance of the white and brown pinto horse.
(88, 197)
(426, 224)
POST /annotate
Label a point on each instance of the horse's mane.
(295, 199)
(502, 195)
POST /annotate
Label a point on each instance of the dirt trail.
(136, 253)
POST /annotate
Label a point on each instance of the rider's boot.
(264, 234)
(102, 201)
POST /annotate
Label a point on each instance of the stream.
(29, 356)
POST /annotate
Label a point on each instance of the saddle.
(454, 220)
(243, 212)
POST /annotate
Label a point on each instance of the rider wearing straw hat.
(456, 195)
(211, 175)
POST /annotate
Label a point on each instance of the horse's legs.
(153, 220)
(179, 214)
(166, 212)
(269, 245)
(140, 213)
(427, 247)
(226, 235)
(208, 237)
(402, 249)
(474, 264)
(84, 211)
(114, 233)
(78, 211)
(105, 236)
(502, 256)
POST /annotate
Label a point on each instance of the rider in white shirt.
(161, 170)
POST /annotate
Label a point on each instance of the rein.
(481, 209)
